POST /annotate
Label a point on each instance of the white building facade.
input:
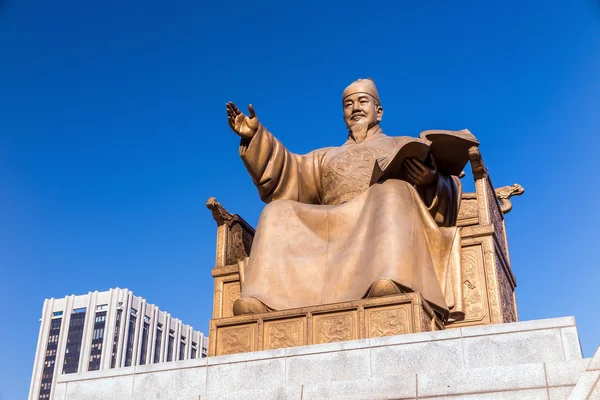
(103, 330)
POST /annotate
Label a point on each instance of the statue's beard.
(359, 132)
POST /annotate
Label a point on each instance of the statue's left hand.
(420, 173)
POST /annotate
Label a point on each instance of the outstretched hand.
(245, 127)
(420, 173)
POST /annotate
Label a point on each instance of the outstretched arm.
(277, 173)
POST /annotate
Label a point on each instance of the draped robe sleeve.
(443, 202)
(442, 199)
(280, 174)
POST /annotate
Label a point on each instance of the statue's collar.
(373, 133)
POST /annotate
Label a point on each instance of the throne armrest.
(234, 235)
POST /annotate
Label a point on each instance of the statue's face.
(361, 108)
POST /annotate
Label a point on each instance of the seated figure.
(328, 236)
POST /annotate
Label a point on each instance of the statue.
(328, 235)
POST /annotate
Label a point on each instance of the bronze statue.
(329, 235)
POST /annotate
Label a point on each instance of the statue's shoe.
(383, 287)
(248, 305)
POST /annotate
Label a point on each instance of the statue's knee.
(275, 209)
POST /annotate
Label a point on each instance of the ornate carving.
(336, 328)
(237, 340)
(477, 166)
(333, 322)
(388, 322)
(426, 322)
(471, 285)
(261, 330)
(505, 193)
(220, 214)
(496, 218)
(235, 235)
(506, 295)
(231, 292)
(285, 334)
(235, 246)
(239, 244)
(492, 284)
(348, 174)
(468, 208)
(417, 314)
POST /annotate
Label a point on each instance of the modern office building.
(103, 330)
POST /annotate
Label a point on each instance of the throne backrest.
(488, 281)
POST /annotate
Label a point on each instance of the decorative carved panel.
(239, 243)
(426, 322)
(473, 283)
(330, 328)
(284, 333)
(381, 316)
(231, 292)
(237, 339)
(468, 208)
(492, 282)
(387, 321)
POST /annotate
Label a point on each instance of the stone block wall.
(525, 360)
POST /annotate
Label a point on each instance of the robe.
(325, 235)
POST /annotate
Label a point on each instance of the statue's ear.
(379, 113)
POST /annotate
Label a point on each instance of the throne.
(488, 284)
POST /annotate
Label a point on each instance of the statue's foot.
(248, 305)
(383, 287)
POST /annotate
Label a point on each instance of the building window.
(171, 345)
(182, 349)
(71, 364)
(130, 338)
(194, 350)
(48, 371)
(144, 348)
(97, 338)
(157, 344)
(113, 361)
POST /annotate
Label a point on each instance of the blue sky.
(113, 134)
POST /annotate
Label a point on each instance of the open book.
(450, 149)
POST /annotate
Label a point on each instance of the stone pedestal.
(525, 360)
(367, 318)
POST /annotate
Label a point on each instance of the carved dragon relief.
(505, 193)
(388, 322)
(337, 328)
(220, 214)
